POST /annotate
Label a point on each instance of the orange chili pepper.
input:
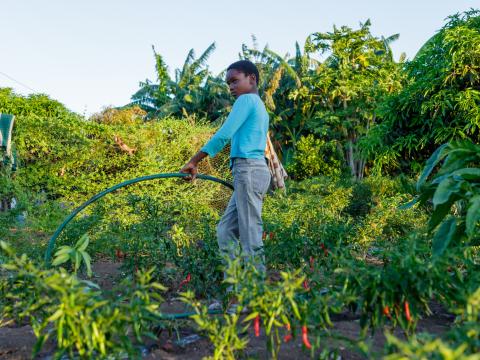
(407, 311)
(305, 337)
(386, 312)
(256, 326)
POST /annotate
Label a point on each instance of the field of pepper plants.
(372, 250)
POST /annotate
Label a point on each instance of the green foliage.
(173, 249)
(222, 332)
(71, 158)
(273, 304)
(440, 101)
(335, 213)
(194, 90)
(315, 157)
(333, 244)
(403, 279)
(35, 104)
(83, 321)
(357, 74)
(126, 116)
(75, 254)
(455, 187)
(361, 201)
(428, 349)
(462, 342)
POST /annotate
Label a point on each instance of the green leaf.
(87, 259)
(473, 215)
(78, 259)
(63, 250)
(444, 236)
(437, 156)
(251, 316)
(39, 344)
(5, 247)
(82, 244)
(55, 315)
(60, 259)
(445, 190)
(409, 204)
(439, 214)
(468, 173)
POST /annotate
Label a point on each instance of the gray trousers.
(242, 221)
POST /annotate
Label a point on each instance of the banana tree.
(193, 90)
(280, 79)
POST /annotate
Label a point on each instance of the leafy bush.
(126, 116)
(454, 188)
(83, 321)
(314, 157)
(460, 343)
(439, 103)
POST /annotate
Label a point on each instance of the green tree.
(279, 77)
(193, 90)
(439, 103)
(346, 88)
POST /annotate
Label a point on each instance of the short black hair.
(247, 67)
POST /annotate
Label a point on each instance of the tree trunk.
(350, 159)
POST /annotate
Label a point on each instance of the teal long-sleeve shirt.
(246, 127)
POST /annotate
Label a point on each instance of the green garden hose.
(51, 243)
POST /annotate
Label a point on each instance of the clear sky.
(89, 54)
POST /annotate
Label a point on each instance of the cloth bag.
(275, 166)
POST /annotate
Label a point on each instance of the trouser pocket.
(260, 180)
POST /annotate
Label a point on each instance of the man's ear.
(252, 79)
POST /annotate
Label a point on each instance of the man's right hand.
(191, 169)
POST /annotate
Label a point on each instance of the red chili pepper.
(407, 311)
(325, 250)
(305, 285)
(305, 337)
(287, 337)
(264, 235)
(312, 262)
(256, 326)
(272, 234)
(185, 281)
(120, 254)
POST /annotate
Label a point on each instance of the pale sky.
(90, 54)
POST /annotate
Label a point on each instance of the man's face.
(239, 83)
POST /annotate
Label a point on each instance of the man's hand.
(190, 168)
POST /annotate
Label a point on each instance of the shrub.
(315, 157)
